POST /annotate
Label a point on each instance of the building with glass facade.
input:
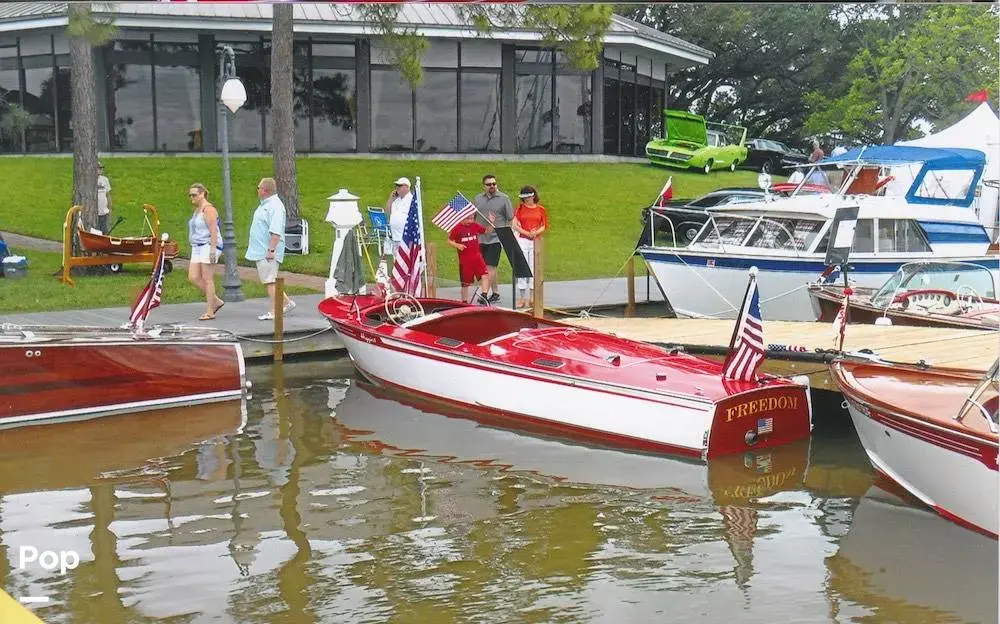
(503, 93)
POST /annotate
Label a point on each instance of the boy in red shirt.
(471, 266)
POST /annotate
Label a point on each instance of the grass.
(39, 290)
(593, 207)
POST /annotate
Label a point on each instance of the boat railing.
(792, 244)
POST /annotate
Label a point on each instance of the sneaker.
(481, 300)
(289, 307)
(495, 297)
(267, 316)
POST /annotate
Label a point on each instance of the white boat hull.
(674, 424)
(956, 485)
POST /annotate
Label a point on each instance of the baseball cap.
(405, 181)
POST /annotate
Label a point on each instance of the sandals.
(206, 316)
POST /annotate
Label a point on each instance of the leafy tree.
(85, 31)
(282, 109)
(576, 29)
(913, 62)
(767, 59)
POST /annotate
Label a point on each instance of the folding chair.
(378, 233)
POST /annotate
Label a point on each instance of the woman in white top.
(205, 239)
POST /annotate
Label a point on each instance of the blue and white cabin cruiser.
(787, 238)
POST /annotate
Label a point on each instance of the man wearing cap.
(103, 199)
(398, 208)
(492, 201)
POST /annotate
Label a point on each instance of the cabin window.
(785, 233)
(726, 230)
(900, 235)
(864, 237)
(946, 184)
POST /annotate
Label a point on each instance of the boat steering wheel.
(967, 300)
(402, 307)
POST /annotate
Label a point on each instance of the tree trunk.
(83, 100)
(282, 110)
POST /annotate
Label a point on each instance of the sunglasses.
(491, 184)
(192, 194)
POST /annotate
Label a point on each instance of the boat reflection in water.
(59, 456)
(903, 560)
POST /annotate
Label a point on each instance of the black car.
(772, 156)
(687, 215)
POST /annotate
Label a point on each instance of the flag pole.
(422, 258)
(739, 313)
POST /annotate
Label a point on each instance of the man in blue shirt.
(267, 241)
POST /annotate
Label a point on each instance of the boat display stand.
(104, 250)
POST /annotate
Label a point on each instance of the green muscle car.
(693, 143)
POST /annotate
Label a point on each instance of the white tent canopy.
(979, 130)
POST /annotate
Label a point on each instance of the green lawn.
(593, 207)
(40, 290)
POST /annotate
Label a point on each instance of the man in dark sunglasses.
(492, 201)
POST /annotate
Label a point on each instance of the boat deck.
(960, 348)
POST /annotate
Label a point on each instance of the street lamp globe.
(234, 94)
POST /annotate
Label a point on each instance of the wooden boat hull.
(828, 300)
(950, 467)
(594, 401)
(104, 244)
(89, 377)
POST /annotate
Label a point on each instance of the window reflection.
(130, 107)
(480, 112)
(534, 113)
(392, 112)
(573, 118)
(246, 126)
(611, 116)
(334, 110)
(10, 95)
(437, 112)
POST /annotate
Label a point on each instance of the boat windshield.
(964, 280)
(790, 234)
(984, 402)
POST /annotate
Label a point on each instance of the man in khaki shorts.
(267, 241)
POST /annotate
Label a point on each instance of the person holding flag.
(408, 259)
(464, 236)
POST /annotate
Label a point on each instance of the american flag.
(457, 209)
(765, 425)
(406, 266)
(150, 296)
(748, 339)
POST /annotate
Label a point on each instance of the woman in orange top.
(530, 220)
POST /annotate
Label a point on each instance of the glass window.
(10, 95)
(900, 235)
(785, 234)
(642, 114)
(864, 237)
(728, 230)
(611, 117)
(534, 113)
(534, 56)
(178, 99)
(573, 116)
(40, 131)
(656, 116)
(945, 184)
(441, 53)
(437, 112)
(392, 112)
(334, 110)
(248, 125)
(629, 147)
(65, 109)
(130, 100)
(333, 49)
(480, 112)
(478, 53)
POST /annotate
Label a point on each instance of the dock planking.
(961, 348)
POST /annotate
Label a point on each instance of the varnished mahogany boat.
(545, 375)
(932, 431)
(127, 245)
(59, 373)
(929, 293)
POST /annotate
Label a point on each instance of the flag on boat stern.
(840, 321)
(457, 209)
(666, 193)
(406, 265)
(746, 349)
(150, 296)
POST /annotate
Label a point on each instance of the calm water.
(336, 503)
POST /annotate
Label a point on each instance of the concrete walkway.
(241, 317)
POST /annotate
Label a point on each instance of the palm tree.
(282, 109)
(85, 32)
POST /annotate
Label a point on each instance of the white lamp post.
(233, 96)
(343, 214)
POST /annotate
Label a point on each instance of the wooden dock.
(963, 348)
